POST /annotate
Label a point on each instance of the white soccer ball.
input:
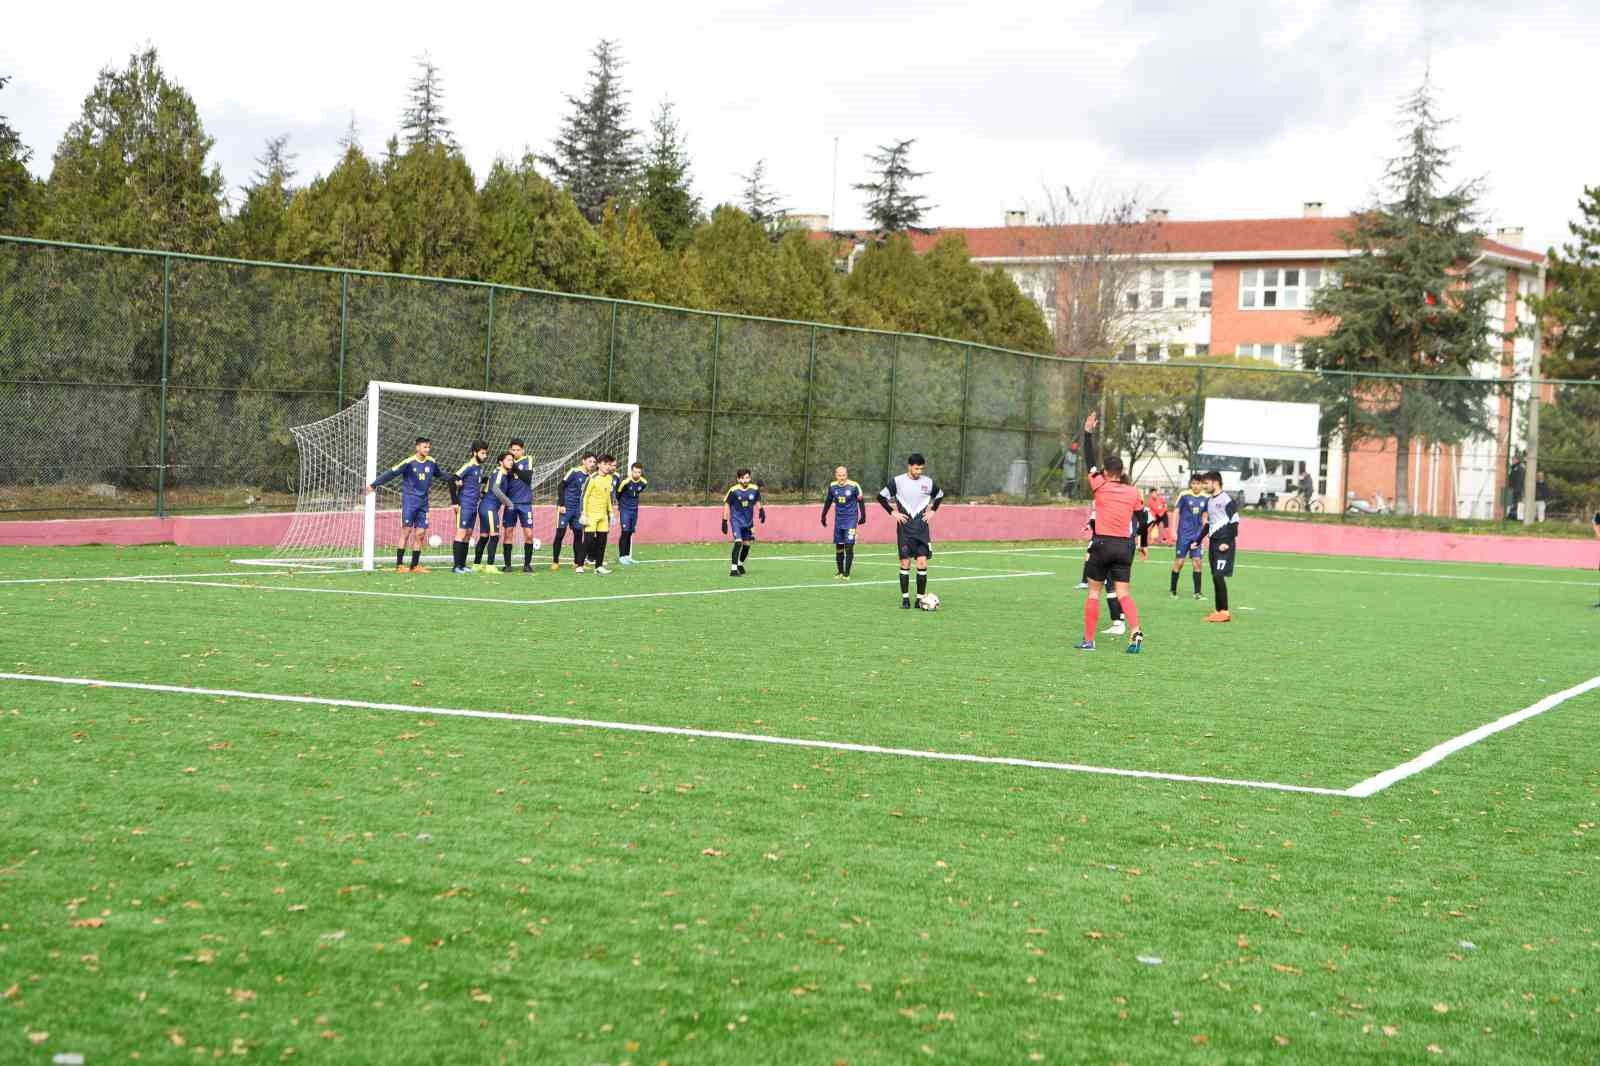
(536, 544)
(435, 540)
(928, 602)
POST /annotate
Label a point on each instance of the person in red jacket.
(1116, 507)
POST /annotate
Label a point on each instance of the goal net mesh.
(330, 504)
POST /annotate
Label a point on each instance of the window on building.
(1285, 355)
(1129, 353)
(1158, 294)
(1130, 299)
(1280, 288)
(1205, 288)
(1178, 282)
(1202, 349)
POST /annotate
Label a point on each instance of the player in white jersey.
(911, 498)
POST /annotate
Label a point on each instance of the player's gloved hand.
(824, 522)
(724, 527)
(762, 512)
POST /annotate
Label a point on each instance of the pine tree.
(423, 119)
(1409, 303)
(761, 202)
(255, 231)
(669, 205)
(17, 188)
(890, 204)
(1571, 310)
(275, 166)
(131, 170)
(595, 157)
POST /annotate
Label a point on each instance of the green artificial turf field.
(188, 875)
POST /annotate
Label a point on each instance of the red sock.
(1129, 610)
(1091, 616)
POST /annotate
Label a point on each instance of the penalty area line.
(165, 577)
(1439, 752)
(250, 587)
(674, 731)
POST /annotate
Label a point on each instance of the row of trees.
(606, 212)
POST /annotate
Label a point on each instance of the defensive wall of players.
(798, 522)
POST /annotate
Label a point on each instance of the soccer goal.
(335, 521)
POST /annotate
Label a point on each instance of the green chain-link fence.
(140, 382)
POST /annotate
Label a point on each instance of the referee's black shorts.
(914, 540)
(1111, 559)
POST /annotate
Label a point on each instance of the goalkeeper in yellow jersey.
(600, 509)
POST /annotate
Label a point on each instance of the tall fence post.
(811, 404)
(961, 460)
(711, 419)
(611, 352)
(488, 342)
(344, 326)
(1349, 431)
(1083, 385)
(1027, 431)
(1197, 416)
(888, 444)
(161, 410)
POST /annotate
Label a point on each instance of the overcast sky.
(1212, 115)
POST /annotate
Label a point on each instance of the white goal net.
(335, 521)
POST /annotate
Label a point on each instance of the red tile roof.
(1172, 237)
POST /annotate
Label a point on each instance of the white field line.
(1040, 553)
(676, 731)
(152, 577)
(1379, 782)
(248, 587)
(815, 557)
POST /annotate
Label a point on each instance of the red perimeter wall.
(798, 522)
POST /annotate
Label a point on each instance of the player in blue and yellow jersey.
(492, 504)
(599, 512)
(628, 493)
(741, 505)
(519, 512)
(466, 491)
(569, 510)
(417, 474)
(844, 496)
(1191, 508)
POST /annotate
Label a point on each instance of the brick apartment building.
(1241, 287)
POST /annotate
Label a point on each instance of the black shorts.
(914, 540)
(1110, 559)
(1222, 562)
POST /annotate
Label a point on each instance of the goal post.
(335, 520)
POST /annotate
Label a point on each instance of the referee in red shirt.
(1111, 554)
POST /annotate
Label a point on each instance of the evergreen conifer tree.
(423, 119)
(891, 205)
(670, 207)
(1409, 302)
(761, 202)
(1571, 310)
(17, 191)
(595, 157)
(131, 170)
